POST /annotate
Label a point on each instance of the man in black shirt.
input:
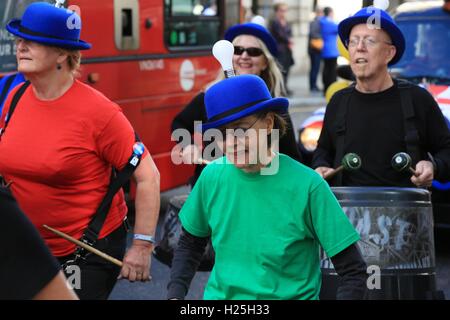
(371, 118)
(27, 268)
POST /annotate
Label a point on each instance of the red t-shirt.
(58, 155)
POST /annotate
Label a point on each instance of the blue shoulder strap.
(8, 82)
(14, 103)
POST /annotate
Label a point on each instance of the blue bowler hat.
(238, 97)
(372, 15)
(46, 24)
(255, 30)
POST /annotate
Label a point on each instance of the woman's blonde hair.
(280, 123)
(73, 60)
(272, 75)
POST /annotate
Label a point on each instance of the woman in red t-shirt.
(59, 149)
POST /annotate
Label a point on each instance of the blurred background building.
(301, 12)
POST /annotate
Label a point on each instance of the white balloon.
(381, 4)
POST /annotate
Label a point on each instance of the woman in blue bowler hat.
(266, 213)
(58, 150)
(255, 52)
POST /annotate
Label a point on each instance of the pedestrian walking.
(315, 46)
(330, 51)
(281, 30)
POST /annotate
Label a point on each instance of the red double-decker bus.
(149, 56)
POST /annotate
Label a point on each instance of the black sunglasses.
(252, 51)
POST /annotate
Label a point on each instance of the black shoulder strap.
(8, 82)
(14, 103)
(341, 129)
(412, 139)
(411, 134)
(118, 180)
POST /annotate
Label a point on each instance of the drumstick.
(333, 173)
(85, 246)
(401, 162)
(351, 161)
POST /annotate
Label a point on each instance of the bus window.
(126, 24)
(9, 9)
(192, 24)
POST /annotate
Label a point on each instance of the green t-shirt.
(266, 229)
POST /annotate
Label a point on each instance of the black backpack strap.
(340, 132)
(8, 82)
(118, 180)
(14, 103)
(412, 138)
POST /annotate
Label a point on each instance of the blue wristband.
(144, 237)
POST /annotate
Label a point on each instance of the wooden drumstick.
(86, 246)
(331, 174)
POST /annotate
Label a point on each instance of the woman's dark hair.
(279, 122)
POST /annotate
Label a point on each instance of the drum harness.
(8, 82)
(412, 138)
(118, 180)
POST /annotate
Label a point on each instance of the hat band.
(39, 34)
(235, 110)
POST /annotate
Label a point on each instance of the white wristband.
(144, 237)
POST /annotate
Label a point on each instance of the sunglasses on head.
(252, 51)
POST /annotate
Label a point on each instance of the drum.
(397, 242)
(170, 234)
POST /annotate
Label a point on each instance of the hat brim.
(398, 40)
(13, 27)
(275, 104)
(265, 36)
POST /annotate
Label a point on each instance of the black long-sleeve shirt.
(349, 265)
(375, 131)
(281, 33)
(196, 111)
(26, 264)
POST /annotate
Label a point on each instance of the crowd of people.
(266, 229)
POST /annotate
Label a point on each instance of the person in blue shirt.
(315, 54)
(8, 83)
(330, 52)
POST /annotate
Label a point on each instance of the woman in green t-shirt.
(266, 213)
